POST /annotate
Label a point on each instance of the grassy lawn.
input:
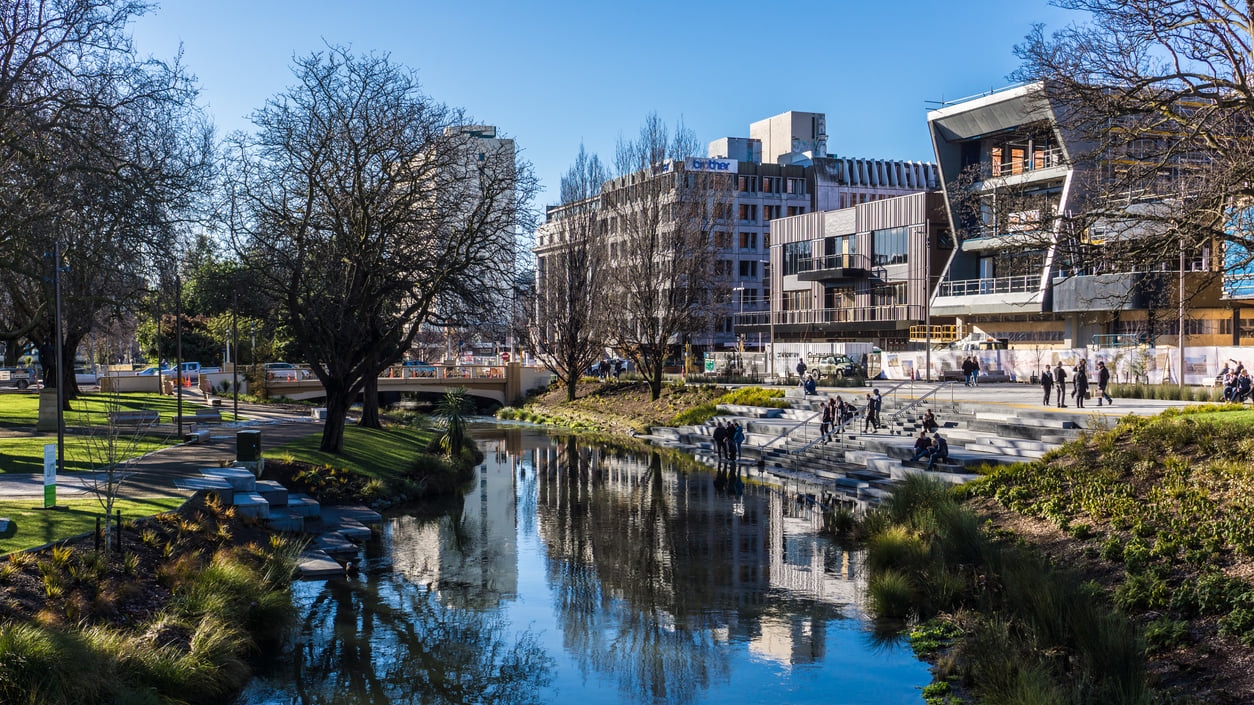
(383, 455)
(37, 526)
(90, 409)
(89, 412)
(1235, 415)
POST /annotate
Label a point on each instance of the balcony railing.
(1034, 161)
(1000, 285)
(853, 314)
(825, 262)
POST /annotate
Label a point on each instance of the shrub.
(891, 594)
(1165, 633)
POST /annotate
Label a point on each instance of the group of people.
(1056, 379)
(727, 439)
(836, 412)
(971, 371)
(603, 369)
(935, 448)
(1237, 382)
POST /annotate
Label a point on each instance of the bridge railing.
(441, 372)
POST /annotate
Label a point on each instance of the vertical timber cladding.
(912, 211)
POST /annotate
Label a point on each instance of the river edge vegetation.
(1117, 569)
(177, 609)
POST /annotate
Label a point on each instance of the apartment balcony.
(964, 297)
(988, 239)
(834, 269)
(835, 320)
(1037, 160)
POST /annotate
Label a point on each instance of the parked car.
(150, 371)
(837, 365)
(20, 377)
(283, 371)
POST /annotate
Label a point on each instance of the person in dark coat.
(1081, 382)
(1047, 384)
(1060, 383)
(1103, 380)
(720, 440)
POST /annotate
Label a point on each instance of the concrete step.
(224, 490)
(335, 545)
(240, 478)
(283, 519)
(303, 504)
(251, 504)
(274, 492)
(315, 563)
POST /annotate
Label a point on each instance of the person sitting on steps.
(929, 422)
(939, 450)
(921, 446)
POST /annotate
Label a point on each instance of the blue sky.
(553, 74)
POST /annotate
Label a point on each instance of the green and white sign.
(50, 476)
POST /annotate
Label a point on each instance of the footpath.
(155, 474)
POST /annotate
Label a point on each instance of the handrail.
(859, 412)
(915, 403)
(788, 431)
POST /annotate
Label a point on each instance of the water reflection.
(574, 573)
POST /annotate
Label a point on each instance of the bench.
(143, 417)
(201, 416)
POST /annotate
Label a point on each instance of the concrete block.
(274, 492)
(240, 478)
(251, 504)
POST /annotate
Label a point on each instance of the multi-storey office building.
(862, 273)
(1012, 174)
(794, 176)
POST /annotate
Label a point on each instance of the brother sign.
(724, 165)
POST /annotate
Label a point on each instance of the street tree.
(367, 209)
(101, 153)
(664, 288)
(570, 313)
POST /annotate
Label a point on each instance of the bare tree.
(663, 284)
(570, 312)
(367, 210)
(1158, 97)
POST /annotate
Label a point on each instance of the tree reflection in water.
(383, 640)
(611, 550)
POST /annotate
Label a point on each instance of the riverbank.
(1151, 519)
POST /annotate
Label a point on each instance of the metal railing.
(842, 261)
(1031, 161)
(1024, 283)
(852, 314)
(914, 404)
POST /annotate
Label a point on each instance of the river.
(572, 573)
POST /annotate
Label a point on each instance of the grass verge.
(37, 526)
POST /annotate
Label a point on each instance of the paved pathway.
(154, 475)
(1011, 395)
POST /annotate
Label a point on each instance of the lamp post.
(235, 357)
(178, 354)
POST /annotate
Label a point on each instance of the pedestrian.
(1081, 382)
(825, 423)
(801, 373)
(618, 369)
(966, 371)
(737, 439)
(975, 371)
(1047, 384)
(810, 386)
(1060, 383)
(720, 435)
(1103, 380)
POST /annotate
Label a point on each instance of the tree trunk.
(337, 411)
(655, 380)
(572, 386)
(370, 404)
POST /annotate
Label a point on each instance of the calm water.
(571, 574)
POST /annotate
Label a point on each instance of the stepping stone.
(335, 545)
(223, 489)
(303, 504)
(283, 519)
(314, 563)
(364, 515)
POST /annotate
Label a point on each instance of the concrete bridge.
(503, 384)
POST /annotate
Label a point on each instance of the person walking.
(1103, 380)
(876, 406)
(825, 425)
(967, 369)
(1081, 382)
(975, 371)
(1060, 383)
(801, 373)
(737, 438)
(1047, 384)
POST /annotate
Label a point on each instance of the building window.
(748, 241)
(749, 212)
(723, 268)
(748, 269)
(889, 295)
(796, 210)
(770, 213)
(793, 253)
(770, 184)
(797, 186)
(796, 300)
(722, 239)
(766, 241)
(748, 184)
(889, 246)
